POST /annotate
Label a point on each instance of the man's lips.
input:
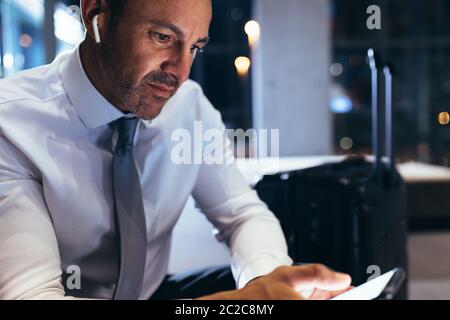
(162, 90)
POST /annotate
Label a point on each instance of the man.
(87, 179)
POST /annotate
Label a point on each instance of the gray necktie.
(129, 213)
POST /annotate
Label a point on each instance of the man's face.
(148, 55)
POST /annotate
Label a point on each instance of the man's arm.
(29, 257)
(244, 222)
(30, 266)
(259, 252)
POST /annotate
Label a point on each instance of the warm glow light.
(25, 40)
(444, 118)
(253, 31)
(242, 65)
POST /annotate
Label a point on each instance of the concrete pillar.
(290, 74)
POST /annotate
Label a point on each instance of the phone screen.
(369, 290)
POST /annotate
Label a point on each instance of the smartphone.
(384, 287)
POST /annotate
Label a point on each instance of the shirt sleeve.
(30, 266)
(243, 221)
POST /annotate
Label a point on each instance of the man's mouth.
(161, 90)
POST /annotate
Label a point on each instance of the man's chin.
(150, 113)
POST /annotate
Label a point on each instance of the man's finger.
(317, 276)
(327, 295)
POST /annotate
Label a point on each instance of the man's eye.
(162, 38)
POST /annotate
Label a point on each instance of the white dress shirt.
(56, 200)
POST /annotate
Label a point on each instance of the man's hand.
(314, 282)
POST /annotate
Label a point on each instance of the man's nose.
(179, 63)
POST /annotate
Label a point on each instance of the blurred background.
(308, 75)
(300, 66)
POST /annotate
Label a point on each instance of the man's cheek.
(144, 71)
(138, 77)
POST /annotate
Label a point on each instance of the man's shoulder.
(34, 85)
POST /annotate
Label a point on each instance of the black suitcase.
(350, 216)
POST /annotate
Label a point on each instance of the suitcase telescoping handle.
(374, 62)
(377, 127)
(388, 70)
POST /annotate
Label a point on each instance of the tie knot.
(126, 128)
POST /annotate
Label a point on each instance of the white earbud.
(95, 27)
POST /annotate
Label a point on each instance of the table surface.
(254, 169)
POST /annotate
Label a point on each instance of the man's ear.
(92, 8)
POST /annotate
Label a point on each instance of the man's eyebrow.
(176, 30)
(170, 26)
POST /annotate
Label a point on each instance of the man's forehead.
(181, 16)
(171, 8)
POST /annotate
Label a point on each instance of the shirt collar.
(93, 109)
